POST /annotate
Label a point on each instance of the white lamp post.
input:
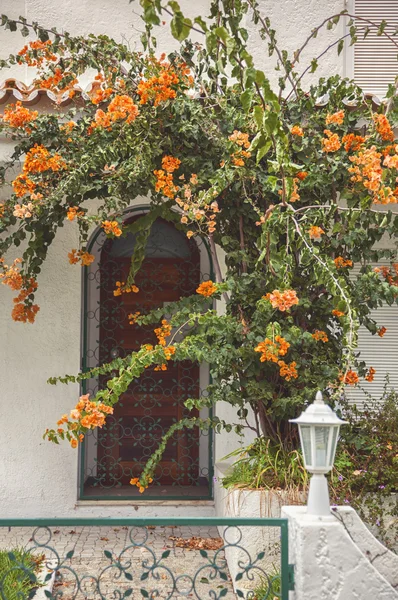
(319, 433)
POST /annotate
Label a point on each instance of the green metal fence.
(156, 558)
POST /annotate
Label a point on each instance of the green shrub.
(268, 589)
(18, 569)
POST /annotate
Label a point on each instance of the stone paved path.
(133, 562)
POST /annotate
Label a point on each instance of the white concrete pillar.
(328, 564)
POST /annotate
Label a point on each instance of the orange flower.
(123, 107)
(38, 159)
(133, 317)
(239, 138)
(163, 332)
(350, 378)
(381, 331)
(295, 195)
(331, 143)
(370, 374)
(122, 289)
(206, 288)
(352, 142)
(341, 262)
(169, 352)
(19, 116)
(320, 336)
(73, 212)
(337, 313)
(112, 228)
(315, 232)
(367, 168)
(170, 163)
(270, 351)
(159, 88)
(74, 443)
(23, 185)
(337, 118)
(23, 211)
(282, 300)
(84, 257)
(302, 175)
(296, 130)
(165, 184)
(383, 127)
(286, 371)
(162, 367)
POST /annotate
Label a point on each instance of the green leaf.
(340, 47)
(246, 99)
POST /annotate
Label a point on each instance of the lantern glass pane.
(305, 434)
(321, 446)
(333, 445)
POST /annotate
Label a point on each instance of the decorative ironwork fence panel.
(104, 559)
(173, 267)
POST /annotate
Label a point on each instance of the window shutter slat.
(377, 352)
(376, 57)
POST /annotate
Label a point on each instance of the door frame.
(205, 256)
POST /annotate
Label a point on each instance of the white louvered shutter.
(376, 57)
(377, 352)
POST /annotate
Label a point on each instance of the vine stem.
(350, 337)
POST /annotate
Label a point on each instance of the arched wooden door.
(155, 400)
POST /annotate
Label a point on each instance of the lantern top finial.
(319, 397)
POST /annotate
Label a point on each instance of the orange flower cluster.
(350, 378)
(315, 232)
(296, 130)
(163, 332)
(198, 211)
(122, 289)
(23, 211)
(320, 336)
(10, 275)
(162, 86)
(120, 108)
(112, 228)
(389, 274)
(133, 317)
(35, 53)
(38, 159)
(381, 331)
(352, 142)
(22, 312)
(337, 313)
(135, 481)
(331, 143)
(286, 371)
(19, 116)
(206, 288)
(87, 415)
(73, 212)
(383, 127)
(84, 257)
(294, 196)
(336, 118)
(271, 350)
(370, 374)
(301, 175)
(164, 177)
(341, 262)
(162, 367)
(367, 168)
(23, 185)
(282, 300)
(239, 138)
(391, 161)
(242, 140)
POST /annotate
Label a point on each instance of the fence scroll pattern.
(101, 559)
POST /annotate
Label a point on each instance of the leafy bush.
(18, 570)
(263, 465)
(366, 465)
(268, 589)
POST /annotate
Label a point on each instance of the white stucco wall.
(38, 478)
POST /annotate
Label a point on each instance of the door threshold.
(144, 503)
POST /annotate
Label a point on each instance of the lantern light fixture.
(319, 430)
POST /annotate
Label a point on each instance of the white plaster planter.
(250, 541)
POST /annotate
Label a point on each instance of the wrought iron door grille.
(101, 559)
(173, 267)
